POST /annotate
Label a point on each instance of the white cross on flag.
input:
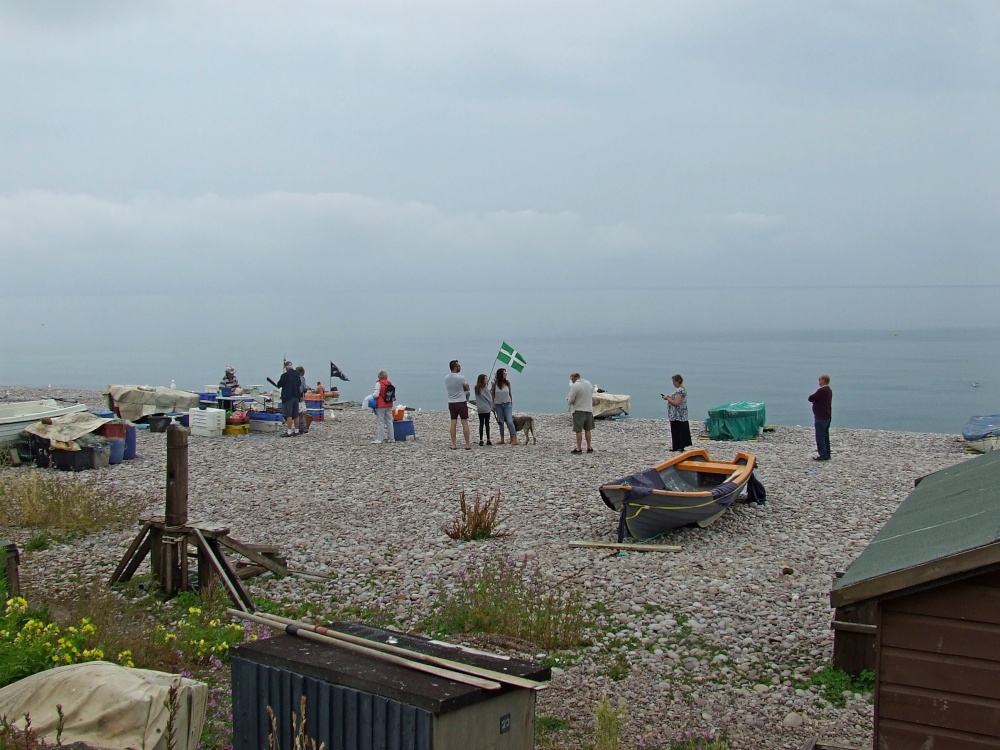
(510, 356)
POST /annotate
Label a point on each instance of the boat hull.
(689, 489)
(17, 415)
(984, 444)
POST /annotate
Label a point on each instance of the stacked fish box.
(207, 422)
(314, 406)
(261, 421)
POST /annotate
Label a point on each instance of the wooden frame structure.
(169, 540)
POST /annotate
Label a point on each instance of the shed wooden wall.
(939, 668)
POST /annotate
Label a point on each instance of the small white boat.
(17, 415)
(610, 404)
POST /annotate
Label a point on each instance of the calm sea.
(894, 365)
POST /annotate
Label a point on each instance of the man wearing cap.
(229, 379)
(290, 384)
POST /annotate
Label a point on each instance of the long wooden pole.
(370, 652)
(490, 674)
(629, 547)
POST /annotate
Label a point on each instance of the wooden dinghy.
(689, 488)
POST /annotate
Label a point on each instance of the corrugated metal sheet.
(343, 718)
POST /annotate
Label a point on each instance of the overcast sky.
(780, 142)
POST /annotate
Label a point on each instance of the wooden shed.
(933, 573)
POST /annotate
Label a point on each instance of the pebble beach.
(719, 637)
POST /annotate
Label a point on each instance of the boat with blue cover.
(982, 434)
(688, 489)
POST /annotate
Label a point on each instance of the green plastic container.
(740, 420)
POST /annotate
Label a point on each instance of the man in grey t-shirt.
(458, 403)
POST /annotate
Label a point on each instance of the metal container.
(354, 701)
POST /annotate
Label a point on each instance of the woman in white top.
(503, 404)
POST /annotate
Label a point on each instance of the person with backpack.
(385, 396)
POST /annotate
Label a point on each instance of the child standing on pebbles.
(484, 406)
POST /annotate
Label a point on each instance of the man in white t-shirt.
(458, 403)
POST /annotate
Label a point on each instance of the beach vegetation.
(548, 729)
(16, 737)
(834, 685)
(608, 720)
(512, 598)
(477, 519)
(56, 502)
(300, 738)
(694, 740)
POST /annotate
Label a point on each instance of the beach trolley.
(740, 420)
(356, 701)
(933, 575)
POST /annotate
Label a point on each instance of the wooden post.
(13, 558)
(177, 476)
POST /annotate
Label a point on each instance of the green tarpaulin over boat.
(740, 420)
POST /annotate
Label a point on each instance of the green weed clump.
(831, 684)
(49, 500)
(477, 520)
(509, 598)
(203, 628)
(31, 643)
(699, 741)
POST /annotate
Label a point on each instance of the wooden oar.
(490, 674)
(447, 674)
(629, 547)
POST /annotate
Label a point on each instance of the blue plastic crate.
(265, 416)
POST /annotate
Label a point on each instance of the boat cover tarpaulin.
(610, 404)
(740, 420)
(134, 401)
(642, 483)
(68, 427)
(107, 706)
(978, 428)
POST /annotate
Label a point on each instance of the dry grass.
(300, 740)
(50, 500)
(478, 520)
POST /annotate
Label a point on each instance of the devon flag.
(510, 356)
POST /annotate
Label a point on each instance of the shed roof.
(946, 528)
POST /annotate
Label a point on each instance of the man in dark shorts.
(458, 403)
(290, 384)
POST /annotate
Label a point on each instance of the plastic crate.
(112, 430)
(260, 425)
(265, 416)
(213, 418)
(236, 429)
(206, 431)
(101, 456)
(73, 460)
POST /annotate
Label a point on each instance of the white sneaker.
(375, 442)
